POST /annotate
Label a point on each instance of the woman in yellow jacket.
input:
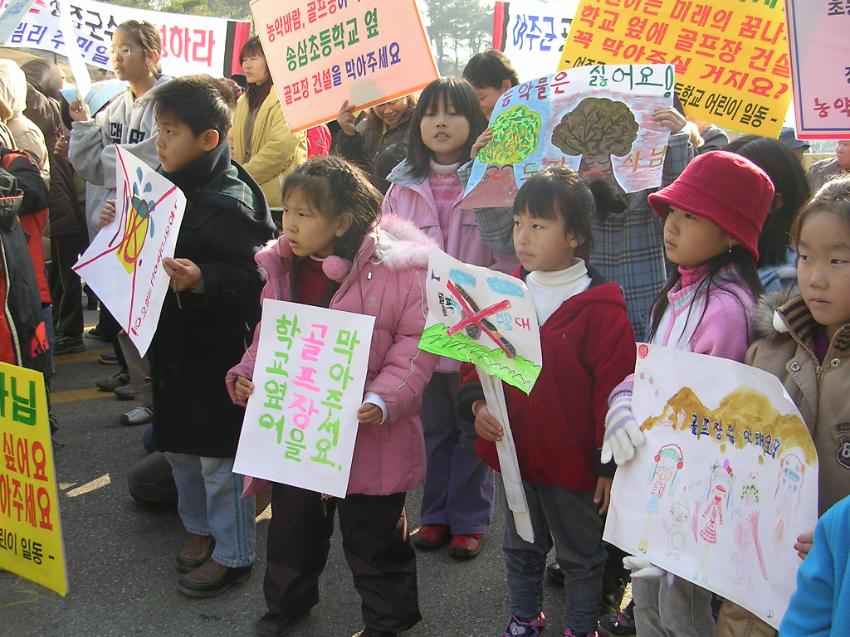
(260, 138)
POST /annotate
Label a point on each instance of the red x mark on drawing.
(477, 318)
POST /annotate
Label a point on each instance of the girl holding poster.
(713, 214)
(334, 253)
(457, 499)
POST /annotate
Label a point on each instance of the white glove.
(622, 432)
(642, 568)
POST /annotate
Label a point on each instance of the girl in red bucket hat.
(713, 214)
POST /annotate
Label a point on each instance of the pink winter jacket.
(387, 281)
(411, 199)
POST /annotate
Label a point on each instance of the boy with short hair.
(206, 323)
(490, 73)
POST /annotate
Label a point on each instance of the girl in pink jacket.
(427, 188)
(333, 253)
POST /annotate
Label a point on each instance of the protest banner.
(820, 67)
(123, 264)
(532, 33)
(82, 79)
(323, 53)
(724, 483)
(190, 44)
(12, 13)
(301, 421)
(731, 58)
(588, 118)
(30, 526)
(481, 316)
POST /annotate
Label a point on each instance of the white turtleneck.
(550, 289)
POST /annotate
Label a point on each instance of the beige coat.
(275, 151)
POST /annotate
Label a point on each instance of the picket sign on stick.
(494, 394)
(82, 79)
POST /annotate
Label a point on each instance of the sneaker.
(110, 358)
(211, 579)
(465, 547)
(519, 628)
(97, 334)
(137, 416)
(68, 345)
(619, 624)
(125, 392)
(277, 624)
(554, 574)
(110, 384)
(431, 536)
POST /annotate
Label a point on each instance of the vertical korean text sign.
(321, 53)
(820, 56)
(731, 57)
(301, 421)
(30, 526)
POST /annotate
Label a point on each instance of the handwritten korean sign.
(300, 423)
(323, 52)
(588, 118)
(480, 316)
(725, 482)
(123, 264)
(731, 58)
(820, 58)
(30, 526)
(191, 44)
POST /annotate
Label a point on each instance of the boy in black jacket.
(205, 326)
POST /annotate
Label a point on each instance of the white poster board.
(301, 421)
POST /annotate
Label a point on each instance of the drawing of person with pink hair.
(668, 462)
(717, 498)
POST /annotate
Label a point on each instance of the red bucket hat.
(727, 189)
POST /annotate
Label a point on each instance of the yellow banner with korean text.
(731, 56)
(30, 527)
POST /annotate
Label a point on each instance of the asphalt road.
(121, 557)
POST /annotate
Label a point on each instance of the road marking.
(78, 395)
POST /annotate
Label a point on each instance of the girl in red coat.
(588, 348)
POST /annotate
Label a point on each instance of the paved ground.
(120, 557)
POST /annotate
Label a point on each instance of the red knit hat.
(727, 189)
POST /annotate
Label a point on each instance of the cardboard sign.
(820, 68)
(123, 264)
(323, 53)
(301, 421)
(589, 118)
(30, 526)
(725, 482)
(731, 58)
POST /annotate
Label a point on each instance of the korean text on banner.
(587, 118)
(480, 316)
(190, 44)
(724, 483)
(532, 34)
(301, 421)
(323, 53)
(30, 525)
(123, 264)
(731, 58)
(820, 72)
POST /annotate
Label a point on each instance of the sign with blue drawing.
(484, 317)
(591, 118)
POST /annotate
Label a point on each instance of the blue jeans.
(209, 501)
(682, 609)
(570, 518)
(459, 486)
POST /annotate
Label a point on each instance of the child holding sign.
(713, 214)
(427, 189)
(333, 253)
(588, 347)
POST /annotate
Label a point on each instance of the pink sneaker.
(519, 628)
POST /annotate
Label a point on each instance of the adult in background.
(824, 170)
(260, 138)
(789, 138)
(490, 73)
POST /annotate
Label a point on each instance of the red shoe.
(431, 536)
(465, 547)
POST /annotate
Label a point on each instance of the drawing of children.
(746, 534)
(668, 462)
(788, 490)
(719, 489)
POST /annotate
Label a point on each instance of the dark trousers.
(110, 328)
(65, 287)
(375, 542)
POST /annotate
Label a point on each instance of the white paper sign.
(301, 421)
(724, 484)
(123, 264)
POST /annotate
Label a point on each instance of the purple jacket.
(387, 281)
